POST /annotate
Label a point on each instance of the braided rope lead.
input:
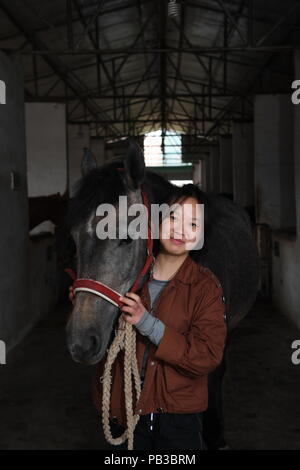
(124, 339)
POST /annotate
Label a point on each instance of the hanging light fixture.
(174, 7)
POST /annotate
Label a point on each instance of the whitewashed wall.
(46, 147)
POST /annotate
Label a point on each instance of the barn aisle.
(262, 385)
(45, 400)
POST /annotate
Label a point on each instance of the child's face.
(182, 229)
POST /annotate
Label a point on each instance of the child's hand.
(71, 295)
(134, 309)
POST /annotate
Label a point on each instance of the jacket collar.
(188, 272)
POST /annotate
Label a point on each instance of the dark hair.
(178, 196)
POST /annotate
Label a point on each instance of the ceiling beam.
(22, 21)
(193, 49)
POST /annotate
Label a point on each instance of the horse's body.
(229, 251)
(51, 207)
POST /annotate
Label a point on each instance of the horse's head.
(115, 262)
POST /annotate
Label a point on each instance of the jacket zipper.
(151, 422)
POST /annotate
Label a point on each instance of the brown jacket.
(193, 311)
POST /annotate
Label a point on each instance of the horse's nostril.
(76, 350)
(86, 350)
(93, 344)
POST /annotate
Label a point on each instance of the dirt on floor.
(45, 397)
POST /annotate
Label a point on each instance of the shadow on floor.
(45, 397)
(261, 388)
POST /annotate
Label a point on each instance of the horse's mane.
(100, 185)
(105, 185)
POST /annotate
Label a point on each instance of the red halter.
(102, 290)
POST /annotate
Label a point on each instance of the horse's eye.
(125, 241)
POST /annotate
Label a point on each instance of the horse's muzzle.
(87, 349)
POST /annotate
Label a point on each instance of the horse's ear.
(88, 162)
(134, 166)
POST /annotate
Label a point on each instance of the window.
(181, 182)
(163, 152)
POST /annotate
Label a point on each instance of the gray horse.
(229, 251)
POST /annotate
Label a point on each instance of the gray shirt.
(148, 325)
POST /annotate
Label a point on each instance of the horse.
(52, 207)
(229, 250)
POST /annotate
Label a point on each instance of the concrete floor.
(262, 386)
(45, 400)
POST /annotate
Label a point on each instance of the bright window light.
(181, 182)
(153, 149)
